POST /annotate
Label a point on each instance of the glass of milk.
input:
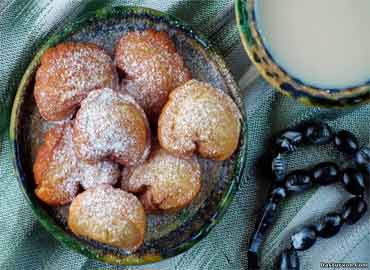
(315, 50)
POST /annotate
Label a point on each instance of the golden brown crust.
(111, 125)
(51, 189)
(164, 182)
(108, 215)
(58, 172)
(152, 67)
(68, 72)
(199, 118)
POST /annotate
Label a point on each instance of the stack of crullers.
(128, 129)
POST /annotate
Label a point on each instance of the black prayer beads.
(316, 133)
(362, 158)
(329, 225)
(325, 173)
(346, 142)
(353, 181)
(353, 210)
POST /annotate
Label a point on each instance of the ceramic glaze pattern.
(279, 78)
(167, 235)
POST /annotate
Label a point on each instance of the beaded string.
(353, 180)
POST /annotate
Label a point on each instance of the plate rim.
(43, 217)
(288, 85)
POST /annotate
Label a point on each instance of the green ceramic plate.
(279, 78)
(167, 235)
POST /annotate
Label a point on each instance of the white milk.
(325, 43)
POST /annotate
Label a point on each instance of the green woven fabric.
(24, 244)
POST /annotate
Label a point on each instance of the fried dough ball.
(110, 216)
(111, 125)
(152, 67)
(68, 72)
(199, 118)
(58, 172)
(164, 182)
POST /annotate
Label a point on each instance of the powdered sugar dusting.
(82, 68)
(66, 171)
(106, 126)
(40, 127)
(104, 202)
(172, 182)
(103, 172)
(105, 214)
(75, 170)
(152, 66)
(67, 73)
(199, 115)
(204, 67)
